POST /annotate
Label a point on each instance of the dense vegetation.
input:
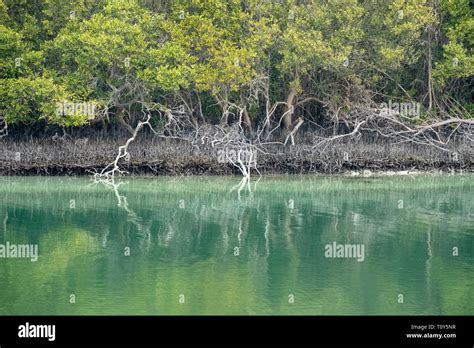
(262, 63)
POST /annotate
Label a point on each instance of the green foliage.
(32, 100)
(458, 59)
(121, 51)
(321, 36)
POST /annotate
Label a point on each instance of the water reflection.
(239, 251)
(142, 229)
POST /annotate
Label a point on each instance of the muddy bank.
(152, 156)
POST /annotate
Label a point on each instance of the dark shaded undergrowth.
(158, 156)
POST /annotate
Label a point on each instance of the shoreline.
(165, 157)
(150, 170)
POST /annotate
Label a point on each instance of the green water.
(231, 252)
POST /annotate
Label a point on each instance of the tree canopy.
(221, 59)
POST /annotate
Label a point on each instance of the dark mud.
(155, 156)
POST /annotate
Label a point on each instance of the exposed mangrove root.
(236, 142)
(223, 139)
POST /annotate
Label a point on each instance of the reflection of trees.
(143, 229)
(428, 261)
(5, 220)
(281, 248)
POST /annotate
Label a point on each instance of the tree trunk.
(430, 80)
(289, 110)
(225, 116)
(245, 115)
(122, 122)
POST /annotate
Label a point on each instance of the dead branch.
(109, 174)
(294, 130)
(326, 140)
